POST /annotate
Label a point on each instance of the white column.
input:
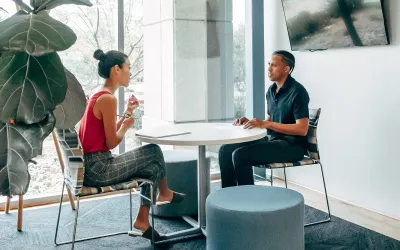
(188, 61)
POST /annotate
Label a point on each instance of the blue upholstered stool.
(255, 218)
(181, 166)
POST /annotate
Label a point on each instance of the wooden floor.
(357, 215)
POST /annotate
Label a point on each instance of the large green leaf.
(30, 87)
(19, 144)
(22, 5)
(70, 112)
(50, 4)
(36, 34)
(36, 3)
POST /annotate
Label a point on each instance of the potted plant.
(37, 94)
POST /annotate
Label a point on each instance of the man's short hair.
(287, 58)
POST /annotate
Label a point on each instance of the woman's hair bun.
(99, 55)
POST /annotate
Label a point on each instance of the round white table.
(201, 135)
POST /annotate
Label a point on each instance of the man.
(286, 123)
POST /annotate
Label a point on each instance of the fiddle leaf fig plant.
(70, 111)
(30, 87)
(36, 34)
(40, 5)
(37, 93)
(20, 142)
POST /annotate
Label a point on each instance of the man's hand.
(256, 123)
(240, 121)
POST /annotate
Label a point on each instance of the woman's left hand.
(133, 103)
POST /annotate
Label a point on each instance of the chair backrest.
(312, 147)
(71, 158)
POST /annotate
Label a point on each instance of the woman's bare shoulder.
(106, 102)
(107, 99)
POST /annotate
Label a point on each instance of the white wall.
(358, 90)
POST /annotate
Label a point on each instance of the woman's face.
(123, 74)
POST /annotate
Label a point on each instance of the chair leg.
(7, 209)
(284, 172)
(326, 194)
(71, 199)
(76, 222)
(130, 208)
(60, 158)
(272, 177)
(59, 213)
(74, 240)
(327, 202)
(153, 202)
(20, 211)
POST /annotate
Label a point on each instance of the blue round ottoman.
(255, 218)
(181, 173)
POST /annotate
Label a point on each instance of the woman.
(99, 132)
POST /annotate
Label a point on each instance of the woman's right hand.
(128, 123)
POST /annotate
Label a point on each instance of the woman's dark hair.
(109, 60)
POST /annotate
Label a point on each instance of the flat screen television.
(325, 24)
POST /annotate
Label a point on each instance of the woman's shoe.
(147, 234)
(176, 198)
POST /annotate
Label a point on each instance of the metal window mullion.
(255, 60)
(120, 41)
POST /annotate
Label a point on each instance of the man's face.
(277, 70)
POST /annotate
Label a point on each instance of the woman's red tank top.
(91, 131)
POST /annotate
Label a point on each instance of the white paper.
(160, 133)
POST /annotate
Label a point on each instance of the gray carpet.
(107, 215)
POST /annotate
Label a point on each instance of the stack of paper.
(160, 133)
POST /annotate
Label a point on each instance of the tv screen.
(324, 24)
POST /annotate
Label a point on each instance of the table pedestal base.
(203, 174)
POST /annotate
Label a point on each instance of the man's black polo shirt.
(286, 106)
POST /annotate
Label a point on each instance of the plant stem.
(23, 5)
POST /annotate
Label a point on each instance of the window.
(133, 36)
(8, 9)
(95, 27)
(239, 74)
(134, 31)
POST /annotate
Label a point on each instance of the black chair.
(312, 158)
